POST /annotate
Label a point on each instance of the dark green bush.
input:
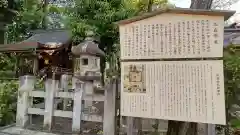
(8, 102)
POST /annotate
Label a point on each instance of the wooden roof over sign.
(226, 13)
(43, 40)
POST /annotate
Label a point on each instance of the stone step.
(19, 131)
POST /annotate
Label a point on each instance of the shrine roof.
(51, 39)
(226, 13)
(44, 39)
(87, 47)
(231, 36)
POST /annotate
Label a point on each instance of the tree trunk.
(181, 128)
(102, 69)
(44, 20)
(150, 4)
(201, 4)
(174, 127)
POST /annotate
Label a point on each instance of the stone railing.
(25, 106)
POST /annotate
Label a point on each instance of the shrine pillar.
(26, 85)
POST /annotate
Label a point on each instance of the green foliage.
(6, 62)
(232, 81)
(232, 74)
(235, 123)
(141, 6)
(99, 17)
(29, 17)
(3, 3)
(55, 9)
(8, 100)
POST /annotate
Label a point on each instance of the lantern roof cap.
(88, 46)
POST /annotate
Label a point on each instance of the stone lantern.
(87, 65)
(87, 58)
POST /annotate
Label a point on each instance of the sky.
(181, 3)
(186, 4)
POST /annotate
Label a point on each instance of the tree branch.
(223, 4)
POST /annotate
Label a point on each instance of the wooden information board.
(155, 85)
(174, 90)
(175, 36)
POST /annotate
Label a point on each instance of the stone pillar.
(26, 85)
(74, 80)
(64, 86)
(130, 126)
(88, 90)
(35, 65)
(57, 89)
(109, 109)
(211, 129)
(51, 86)
(77, 107)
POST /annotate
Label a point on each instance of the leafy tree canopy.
(3, 3)
(29, 17)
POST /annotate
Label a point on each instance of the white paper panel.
(174, 90)
(173, 36)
